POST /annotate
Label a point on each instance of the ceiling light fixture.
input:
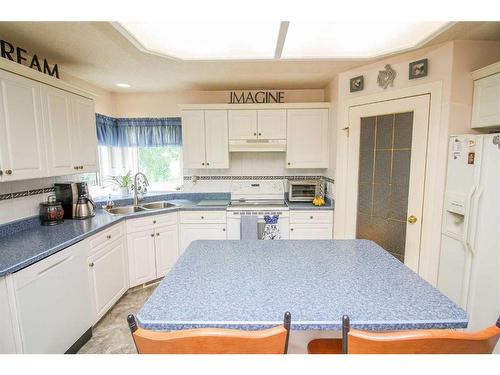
(126, 85)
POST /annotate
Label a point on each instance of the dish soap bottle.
(109, 203)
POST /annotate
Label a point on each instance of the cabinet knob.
(1, 172)
(202, 163)
(203, 217)
(157, 234)
(223, 229)
(108, 236)
(8, 171)
(254, 133)
(260, 133)
(152, 234)
(311, 217)
(208, 163)
(288, 163)
(291, 229)
(81, 166)
(154, 221)
(91, 264)
(75, 167)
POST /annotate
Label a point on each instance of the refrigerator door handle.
(465, 233)
(471, 228)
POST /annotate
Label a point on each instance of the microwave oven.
(304, 190)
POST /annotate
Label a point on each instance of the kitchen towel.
(272, 229)
(248, 227)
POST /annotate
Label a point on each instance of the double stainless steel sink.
(127, 210)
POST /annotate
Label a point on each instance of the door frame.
(419, 105)
(435, 176)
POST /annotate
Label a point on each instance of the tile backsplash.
(21, 199)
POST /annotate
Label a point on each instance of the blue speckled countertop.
(27, 242)
(250, 284)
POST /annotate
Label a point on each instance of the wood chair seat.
(212, 340)
(431, 341)
(325, 346)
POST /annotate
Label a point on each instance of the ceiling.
(96, 52)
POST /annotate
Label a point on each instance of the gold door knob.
(412, 219)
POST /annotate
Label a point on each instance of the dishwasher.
(53, 302)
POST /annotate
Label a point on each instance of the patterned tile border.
(26, 193)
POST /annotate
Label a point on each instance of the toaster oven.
(304, 190)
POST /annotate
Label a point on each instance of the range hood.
(257, 145)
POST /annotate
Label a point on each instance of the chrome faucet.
(144, 181)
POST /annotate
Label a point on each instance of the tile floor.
(111, 334)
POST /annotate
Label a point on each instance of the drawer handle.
(91, 264)
(108, 236)
(55, 265)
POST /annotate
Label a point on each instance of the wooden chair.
(434, 341)
(212, 340)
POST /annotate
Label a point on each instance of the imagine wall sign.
(245, 97)
(20, 55)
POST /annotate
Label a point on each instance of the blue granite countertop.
(250, 284)
(27, 242)
(308, 206)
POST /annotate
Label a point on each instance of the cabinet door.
(167, 249)
(22, 145)
(193, 232)
(311, 231)
(8, 336)
(217, 145)
(307, 138)
(486, 107)
(242, 124)
(193, 139)
(58, 123)
(141, 257)
(85, 137)
(108, 277)
(271, 124)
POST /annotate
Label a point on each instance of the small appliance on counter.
(304, 190)
(51, 211)
(75, 200)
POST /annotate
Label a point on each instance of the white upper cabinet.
(205, 139)
(242, 124)
(216, 142)
(307, 138)
(486, 102)
(58, 121)
(22, 144)
(193, 139)
(271, 124)
(257, 124)
(84, 141)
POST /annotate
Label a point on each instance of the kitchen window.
(149, 145)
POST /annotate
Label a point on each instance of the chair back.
(419, 341)
(212, 340)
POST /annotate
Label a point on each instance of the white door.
(141, 257)
(307, 138)
(193, 232)
(271, 123)
(167, 248)
(386, 175)
(242, 124)
(85, 145)
(216, 142)
(193, 139)
(108, 277)
(58, 124)
(22, 145)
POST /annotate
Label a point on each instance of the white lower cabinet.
(8, 337)
(193, 232)
(311, 225)
(53, 301)
(154, 249)
(108, 276)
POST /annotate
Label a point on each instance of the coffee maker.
(75, 200)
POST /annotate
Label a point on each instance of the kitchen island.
(250, 284)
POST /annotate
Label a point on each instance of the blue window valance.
(138, 132)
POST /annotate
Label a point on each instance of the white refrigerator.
(469, 265)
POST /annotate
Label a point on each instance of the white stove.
(261, 198)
